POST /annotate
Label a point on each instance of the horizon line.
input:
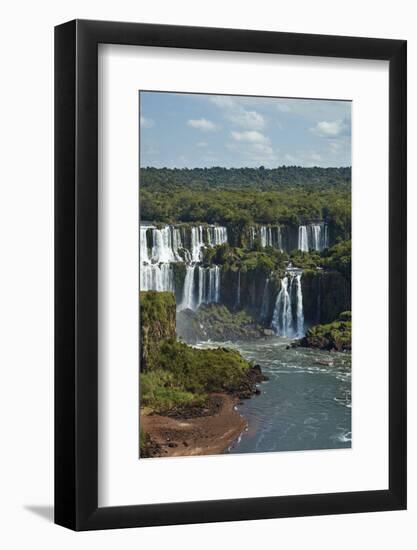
(241, 167)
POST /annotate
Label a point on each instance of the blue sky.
(197, 130)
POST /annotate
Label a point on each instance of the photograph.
(245, 274)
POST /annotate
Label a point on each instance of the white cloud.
(254, 147)
(251, 136)
(202, 124)
(223, 101)
(201, 143)
(237, 114)
(146, 122)
(283, 107)
(247, 119)
(331, 129)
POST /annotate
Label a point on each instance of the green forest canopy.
(286, 195)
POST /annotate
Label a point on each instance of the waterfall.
(270, 236)
(201, 286)
(302, 238)
(299, 310)
(216, 235)
(207, 289)
(188, 301)
(282, 320)
(156, 277)
(197, 243)
(263, 236)
(144, 254)
(176, 243)
(214, 284)
(313, 236)
(162, 249)
(316, 236)
(279, 235)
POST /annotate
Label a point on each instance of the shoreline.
(202, 435)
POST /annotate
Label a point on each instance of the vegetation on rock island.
(335, 336)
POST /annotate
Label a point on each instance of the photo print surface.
(245, 274)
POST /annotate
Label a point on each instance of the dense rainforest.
(287, 195)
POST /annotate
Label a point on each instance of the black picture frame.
(76, 272)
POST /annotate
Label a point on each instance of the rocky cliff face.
(325, 295)
(157, 322)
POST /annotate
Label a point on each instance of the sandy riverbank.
(203, 435)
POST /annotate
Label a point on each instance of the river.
(304, 405)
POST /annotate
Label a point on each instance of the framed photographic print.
(230, 275)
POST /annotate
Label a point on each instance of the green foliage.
(159, 391)
(338, 258)
(263, 178)
(241, 197)
(336, 335)
(157, 310)
(305, 260)
(175, 375)
(265, 260)
(181, 376)
(157, 321)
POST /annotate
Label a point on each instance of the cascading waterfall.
(156, 277)
(302, 238)
(288, 316)
(216, 235)
(316, 234)
(269, 236)
(280, 239)
(203, 289)
(313, 236)
(188, 301)
(214, 285)
(282, 320)
(299, 310)
(161, 247)
(201, 286)
(197, 243)
(176, 243)
(144, 254)
(264, 237)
